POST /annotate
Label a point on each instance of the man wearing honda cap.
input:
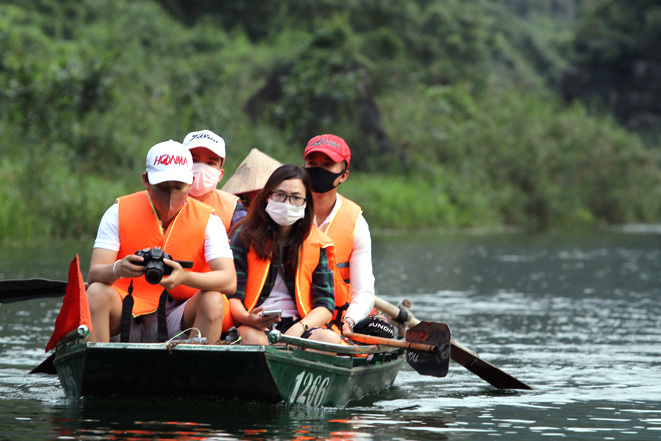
(123, 305)
(327, 159)
(208, 151)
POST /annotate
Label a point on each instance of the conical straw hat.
(252, 173)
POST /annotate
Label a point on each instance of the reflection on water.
(575, 315)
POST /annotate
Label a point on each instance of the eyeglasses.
(280, 196)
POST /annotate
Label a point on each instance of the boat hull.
(251, 373)
(307, 378)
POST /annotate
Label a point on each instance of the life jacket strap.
(344, 265)
(339, 314)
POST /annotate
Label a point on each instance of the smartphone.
(272, 313)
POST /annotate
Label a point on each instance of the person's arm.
(104, 266)
(240, 254)
(316, 318)
(253, 318)
(238, 310)
(240, 212)
(362, 276)
(222, 276)
(101, 266)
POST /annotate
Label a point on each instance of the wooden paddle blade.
(459, 353)
(485, 370)
(427, 363)
(19, 290)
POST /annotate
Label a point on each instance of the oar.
(459, 353)
(390, 342)
(27, 289)
(429, 358)
(46, 366)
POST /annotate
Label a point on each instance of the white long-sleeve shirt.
(360, 266)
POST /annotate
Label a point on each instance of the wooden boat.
(281, 373)
(288, 372)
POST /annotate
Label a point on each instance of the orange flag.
(75, 310)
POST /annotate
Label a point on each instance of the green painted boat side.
(250, 373)
(305, 378)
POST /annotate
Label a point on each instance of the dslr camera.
(155, 269)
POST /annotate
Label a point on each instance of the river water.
(575, 315)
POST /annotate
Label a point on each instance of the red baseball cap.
(333, 146)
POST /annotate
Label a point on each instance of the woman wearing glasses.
(283, 263)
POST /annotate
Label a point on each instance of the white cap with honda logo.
(169, 161)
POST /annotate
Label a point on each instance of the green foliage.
(616, 30)
(324, 75)
(397, 202)
(473, 136)
(615, 62)
(524, 160)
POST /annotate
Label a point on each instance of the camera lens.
(154, 272)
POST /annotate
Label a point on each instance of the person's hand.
(128, 267)
(178, 276)
(260, 322)
(347, 325)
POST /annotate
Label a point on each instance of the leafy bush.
(446, 106)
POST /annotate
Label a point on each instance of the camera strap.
(127, 313)
(161, 314)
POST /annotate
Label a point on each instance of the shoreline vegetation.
(453, 109)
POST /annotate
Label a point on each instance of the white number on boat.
(309, 390)
(68, 382)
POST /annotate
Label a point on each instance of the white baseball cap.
(169, 161)
(207, 139)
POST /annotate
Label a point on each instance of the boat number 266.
(309, 389)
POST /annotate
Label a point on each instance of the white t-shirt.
(279, 298)
(215, 237)
(360, 266)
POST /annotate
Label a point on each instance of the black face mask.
(322, 179)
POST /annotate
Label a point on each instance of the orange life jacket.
(308, 259)
(342, 229)
(139, 228)
(224, 203)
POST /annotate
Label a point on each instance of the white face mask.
(206, 179)
(284, 214)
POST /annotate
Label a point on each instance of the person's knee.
(100, 295)
(211, 304)
(252, 336)
(326, 336)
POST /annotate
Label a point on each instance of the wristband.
(349, 321)
(114, 265)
